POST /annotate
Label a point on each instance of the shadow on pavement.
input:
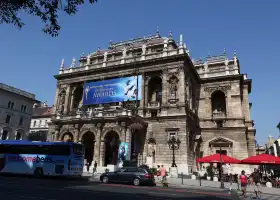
(57, 188)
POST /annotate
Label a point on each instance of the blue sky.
(30, 58)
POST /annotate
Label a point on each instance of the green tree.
(46, 10)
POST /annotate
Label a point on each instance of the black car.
(135, 175)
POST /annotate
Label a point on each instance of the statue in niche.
(173, 87)
(152, 151)
(154, 97)
(61, 102)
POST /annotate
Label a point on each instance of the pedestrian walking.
(94, 168)
(158, 172)
(256, 182)
(243, 180)
(163, 176)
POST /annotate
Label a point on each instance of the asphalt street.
(21, 188)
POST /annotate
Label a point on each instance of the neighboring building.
(39, 122)
(16, 108)
(203, 103)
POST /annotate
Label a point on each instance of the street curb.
(194, 187)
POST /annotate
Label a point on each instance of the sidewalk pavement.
(205, 184)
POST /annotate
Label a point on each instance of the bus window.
(56, 149)
(78, 149)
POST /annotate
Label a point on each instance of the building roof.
(42, 111)
(17, 91)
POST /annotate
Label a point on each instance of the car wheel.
(105, 179)
(136, 182)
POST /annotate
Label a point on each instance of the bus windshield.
(78, 149)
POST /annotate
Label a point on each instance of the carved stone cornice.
(223, 88)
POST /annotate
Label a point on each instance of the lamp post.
(221, 168)
(173, 143)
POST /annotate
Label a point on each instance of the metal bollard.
(199, 179)
(182, 178)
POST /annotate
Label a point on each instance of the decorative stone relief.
(223, 88)
(173, 89)
(61, 101)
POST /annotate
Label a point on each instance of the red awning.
(261, 159)
(216, 159)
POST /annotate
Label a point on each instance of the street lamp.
(173, 143)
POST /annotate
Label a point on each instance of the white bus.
(41, 158)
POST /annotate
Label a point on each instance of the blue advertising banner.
(113, 90)
(123, 152)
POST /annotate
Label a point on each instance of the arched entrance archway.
(88, 139)
(68, 137)
(112, 142)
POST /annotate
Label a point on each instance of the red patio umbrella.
(261, 159)
(216, 159)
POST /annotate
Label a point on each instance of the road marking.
(171, 190)
(172, 194)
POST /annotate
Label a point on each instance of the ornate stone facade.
(204, 103)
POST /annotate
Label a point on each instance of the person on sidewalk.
(158, 172)
(163, 176)
(256, 182)
(243, 180)
(94, 168)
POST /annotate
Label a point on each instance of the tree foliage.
(46, 10)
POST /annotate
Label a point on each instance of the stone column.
(181, 89)
(56, 101)
(146, 92)
(97, 145)
(76, 135)
(251, 143)
(164, 88)
(71, 99)
(102, 153)
(128, 140)
(142, 95)
(246, 107)
(123, 132)
(67, 98)
(56, 135)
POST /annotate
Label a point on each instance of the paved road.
(251, 195)
(27, 188)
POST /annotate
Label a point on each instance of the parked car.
(134, 175)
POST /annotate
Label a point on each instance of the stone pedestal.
(193, 177)
(173, 172)
(149, 160)
(215, 179)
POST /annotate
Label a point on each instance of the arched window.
(5, 135)
(77, 96)
(155, 89)
(218, 99)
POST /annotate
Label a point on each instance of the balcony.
(154, 105)
(218, 115)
